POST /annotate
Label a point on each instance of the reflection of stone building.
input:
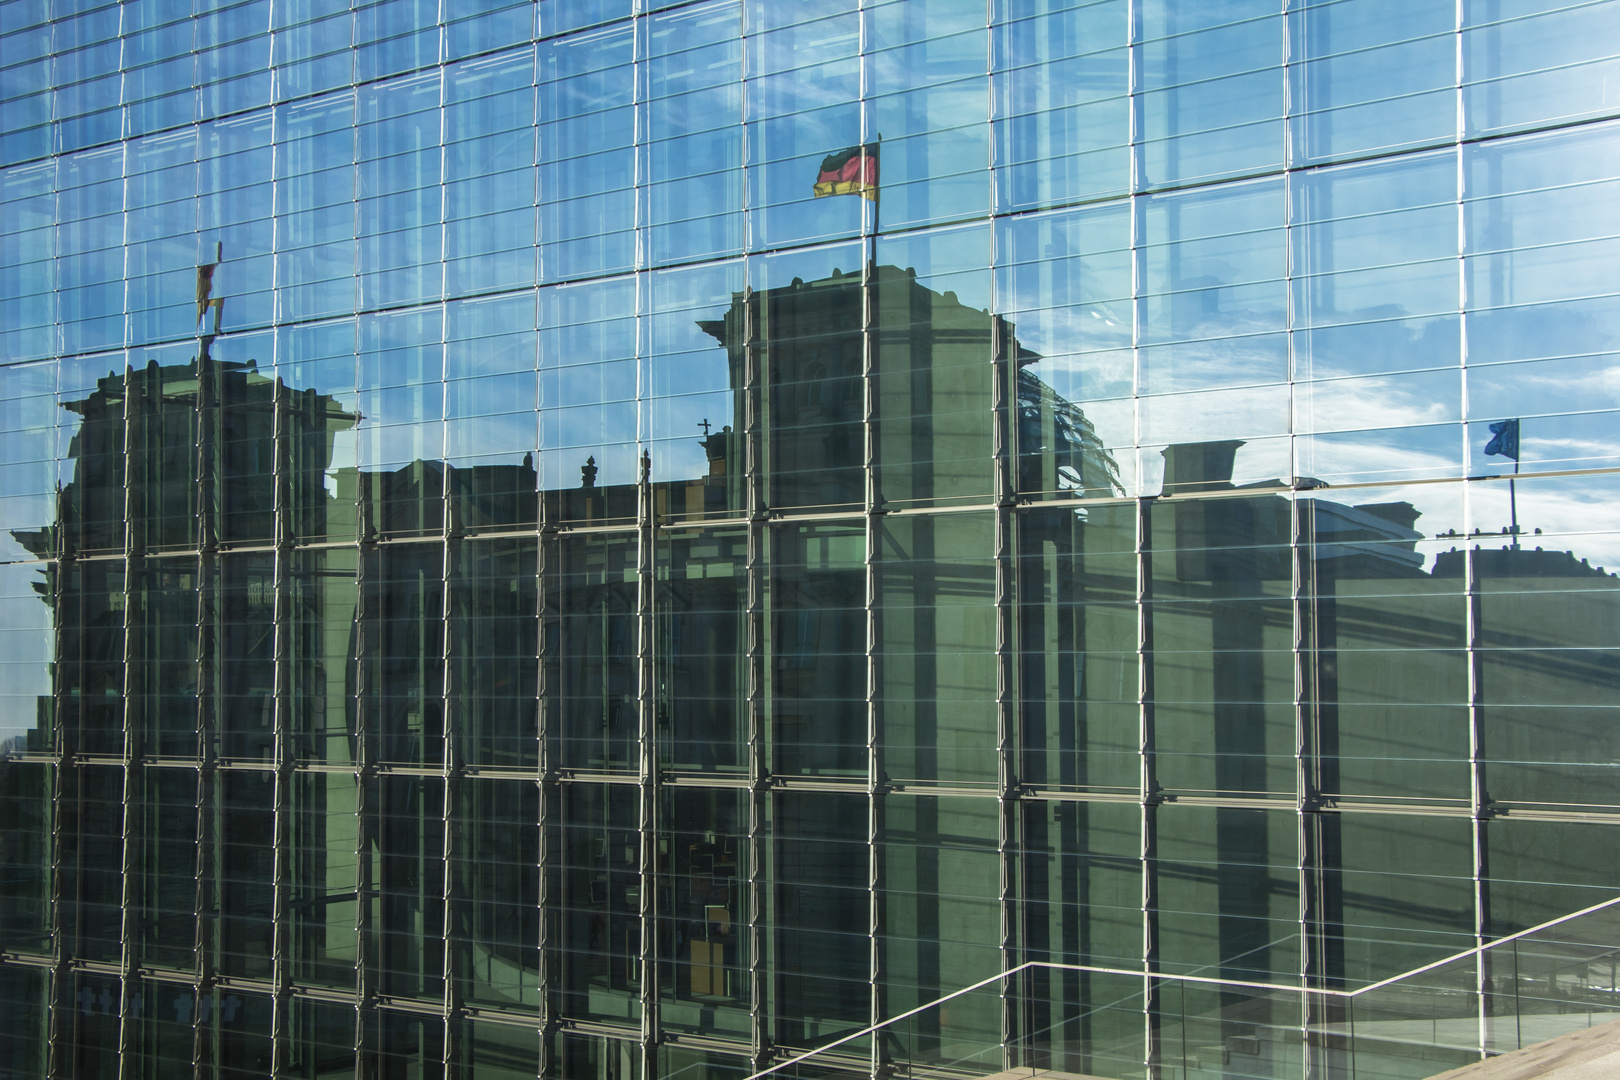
(427, 741)
(929, 388)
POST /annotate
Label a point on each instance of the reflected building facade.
(580, 607)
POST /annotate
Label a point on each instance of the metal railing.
(1516, 991)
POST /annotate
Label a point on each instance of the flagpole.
(1505, 442)
(877, 201)
(1513, 501)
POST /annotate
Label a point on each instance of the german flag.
(850, 172)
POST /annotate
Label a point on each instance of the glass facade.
(500, 581)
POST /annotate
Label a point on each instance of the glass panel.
(1077, 617)
(321, 644)
(317, 366)
(90, 678)
(406, 1045)
(406, 920)
(818, 665)
(164, 693)
(938, 625)
(1536, 67)
(1212, 320)
(806, 318)
(802, 100)
(489, 191)
(588, 410)
(703, 635)
(29, 670)
(1062, 123)
(165, 428)
(693, 112)
(928, 92)
(92, 858)
(315, 196)
(92, 471)
(25, 853)
(1223, 665)
(1365, 83)
(1228, 892)
(691, 1064)
(819, 906)
(1388, 624)
(245, 634)
(933, 349)
(693, 394)
(167, 880)
(498, 1051)
(1229, 1030)
(1213, 97)
(489, 408)
(324, 879)
(941, 917)
(1080, 882)
(598, 947)
(322, 1040)
(587, 161)
(160, 1016)
(493, 652)
(704, 915)
(28, 418)
(24, 997)
(592, 1057)
(497, 934)
(245, 859)
(1380, 916)
(90, 1041)
(1063, 282)
(402, 663)
(1549, 663)
(594, 646)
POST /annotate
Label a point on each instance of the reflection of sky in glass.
(1327, 313)
(26, 648)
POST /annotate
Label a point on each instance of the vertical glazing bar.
(366, 824)
(646, 706)
(210, 638)
(59, 1033)
(546, 562)
(285, 751)
(130, 749)
(129, 899)
(207, 678)
(452, 964)
(646, 688)
(875, 774)
(1148, 795)
(1479, 800)
(63, 743)
(876, 784)
(1148, 791)
(1306, 744)
(758, 690)
(130, 740)
(1307, 788)
(1008, 773)
(873, 499)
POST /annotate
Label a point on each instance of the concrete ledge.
(1590, 1054)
